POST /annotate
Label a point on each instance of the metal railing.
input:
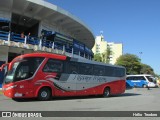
(4, 35)
(35, 41)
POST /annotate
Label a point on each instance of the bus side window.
(73, 68)
(135, 78)
(53, 66)
(120, 72)
(99, 70)
(129, 78)
(86, 69)
(109, 71)
(142, 78)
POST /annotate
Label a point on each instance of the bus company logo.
(6, 114)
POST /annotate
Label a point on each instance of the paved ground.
(137, 99)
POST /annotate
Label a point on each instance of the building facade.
(36, 25)
(28, 26)
(101, 46)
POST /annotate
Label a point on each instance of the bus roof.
(63, 57)
(93, 62)
(139, 75)
(46, 55)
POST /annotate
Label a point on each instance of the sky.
(135, 23)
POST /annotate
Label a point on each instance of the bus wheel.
(106, 92)
(44, 94)
(144, 86)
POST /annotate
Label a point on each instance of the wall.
(117, 52)
(5, 15)
(4, 53)
(45, 26)
(52, 27)
(101, 46)
(3, 59)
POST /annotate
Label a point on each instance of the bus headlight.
(10, 87)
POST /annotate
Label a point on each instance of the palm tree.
(106, 55)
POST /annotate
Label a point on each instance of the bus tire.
(44, 94)
(106, 92)
(144, 86)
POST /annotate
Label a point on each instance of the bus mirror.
(4, 67)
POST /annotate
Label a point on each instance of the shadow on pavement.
(126, 95)
(58, 98)
(76, 98)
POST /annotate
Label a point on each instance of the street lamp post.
(140, 56)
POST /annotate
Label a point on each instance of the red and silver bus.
(45, 75)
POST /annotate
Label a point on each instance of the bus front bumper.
(17, 93)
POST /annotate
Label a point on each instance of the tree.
(130, 62)
(106, 55)
(97, 57)
(103, 57)
(146, 69)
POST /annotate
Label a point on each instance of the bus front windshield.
(23, 69)
(151, 78)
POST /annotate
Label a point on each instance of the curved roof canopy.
(44, 11)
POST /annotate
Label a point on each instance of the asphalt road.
(137, 99)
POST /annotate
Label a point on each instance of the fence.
(8, 38)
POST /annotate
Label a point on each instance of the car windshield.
(23, 69)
